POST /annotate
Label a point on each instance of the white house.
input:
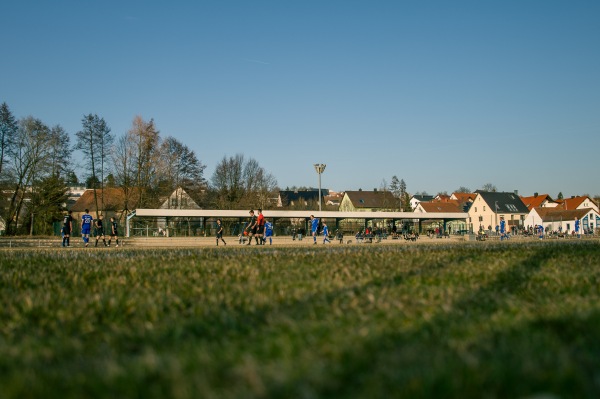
(416, 199)
(578, 202)
(556, 219)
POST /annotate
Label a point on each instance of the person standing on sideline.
(114, 231)
(314, 227)
(67, 228)
(260, 228)
(220, 232)
(86, 226)
(251, 228)
(502, 228)
(268, 232)
(99, 230)
(325, 233)
(577, 225)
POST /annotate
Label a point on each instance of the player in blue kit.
(268, 232)
(86, 226)
(502, 229)
(325, 233)
(314, 227)
(577, 226)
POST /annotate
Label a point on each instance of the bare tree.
(179, 167)
(94, 140)
(29, 159)
(238, 182)
(489, 187)
(145, 139)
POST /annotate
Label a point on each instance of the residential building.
(489, 207)
(558, 219)
(179, 199)
(299, 198)
(367, 201)
(415, 199)
(539, 201)
(577, 202)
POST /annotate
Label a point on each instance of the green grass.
(456, 321)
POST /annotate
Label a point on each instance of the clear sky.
(440, 93)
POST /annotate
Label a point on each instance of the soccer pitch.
(459, 320)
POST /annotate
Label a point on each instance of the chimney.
(516, 192)
(535, 195)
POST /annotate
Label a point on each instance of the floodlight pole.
(320, 168)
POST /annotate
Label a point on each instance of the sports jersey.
(86, 223)
(502, 226)
(577, 226)
(261, 219)
(326, 231)
(314, 225)
(268, 229)
(67, 224)
(99, 226)
(114, 227)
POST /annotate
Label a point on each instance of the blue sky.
(440, 93)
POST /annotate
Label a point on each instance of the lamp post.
(320, 168)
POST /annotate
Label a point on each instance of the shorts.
(268, 233)
(219, 235)
(253, 231)
(98, 232)
(260, 230)
(85, 231)
(66, 231)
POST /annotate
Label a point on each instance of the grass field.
(464, 320)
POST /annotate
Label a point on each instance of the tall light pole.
(320, 168)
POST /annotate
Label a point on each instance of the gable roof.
(573, 202)
(422, 198)
(500, 202)
(114, 199)
(536, 201)
(464, 197)
(554, 214)
(295, 196)
(371, 199)
(432, 207)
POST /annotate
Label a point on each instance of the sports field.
(456, 320)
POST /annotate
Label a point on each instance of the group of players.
(259, 228)
(86, 228)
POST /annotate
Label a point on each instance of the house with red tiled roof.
(558, 219)
(463, 197)
(539, 201)
(577, 202)
(112, 201)
(438, 207)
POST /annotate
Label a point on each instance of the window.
(512, 208)
(475, 209)
(484, 208)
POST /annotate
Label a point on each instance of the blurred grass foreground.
(455, 321)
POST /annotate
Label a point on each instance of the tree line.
(37, 167)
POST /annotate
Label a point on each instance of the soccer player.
(268, 232)
(67, 228)
(99, 230)
(577, 223)
(314, 227)
(260, 228)
(114, 231)
(86, 226)
(220, 232)
(325, 233)
(251, 228)
(502, 228)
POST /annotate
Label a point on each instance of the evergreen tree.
(8, 130)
